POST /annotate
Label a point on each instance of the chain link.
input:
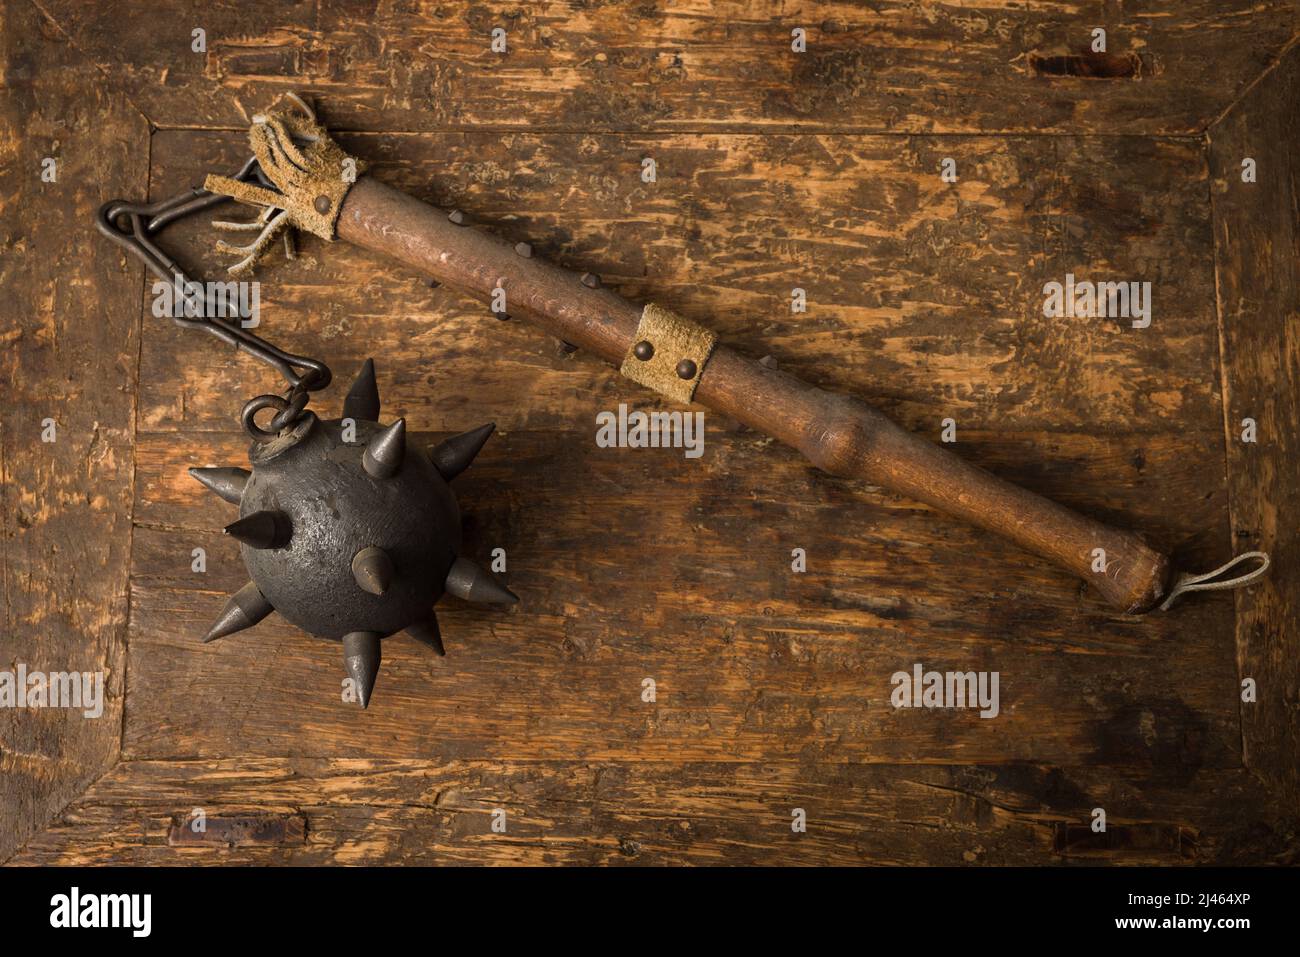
(132, 226)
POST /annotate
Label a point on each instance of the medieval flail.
(353, 534)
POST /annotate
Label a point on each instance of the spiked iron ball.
(350, 533)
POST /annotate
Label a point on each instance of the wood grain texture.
(898, 65)
(420, 812)
(925, 298)
(1256, 243)
(773, 688)
(928, 298)
(681, 572)
(837, 433)
(69, 335)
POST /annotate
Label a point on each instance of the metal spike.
(262, 529)
(362, 402)
(453, 456)
(472, 583)
(383, 456)
(361, 657)
(226, 482)
(245, 609)
(373, 570)
(428, 634)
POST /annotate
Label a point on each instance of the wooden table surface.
(776, 170)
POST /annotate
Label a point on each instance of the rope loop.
(1210, 581)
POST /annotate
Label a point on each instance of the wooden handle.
(837, 433)
(845, 436)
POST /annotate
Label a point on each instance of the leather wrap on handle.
(839, 434)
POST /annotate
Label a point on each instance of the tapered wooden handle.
(842, 435)
(845, 436)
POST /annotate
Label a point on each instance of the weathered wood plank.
(681, 572)
(925, 298)
(982, 66)
(1057, 207)
(69, 336)
(1256, 245)
(420, 812)
(773, 687)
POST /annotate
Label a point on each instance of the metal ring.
(255, 405)
(316, 376)
(288, 416)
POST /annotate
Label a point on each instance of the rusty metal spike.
(383, 456)
(362, 402)
(245, 609)
(361, 658)
(429, 634)
(451, 457)
(262, 529)
(373, 570)
(472, 583)
(228, 483)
